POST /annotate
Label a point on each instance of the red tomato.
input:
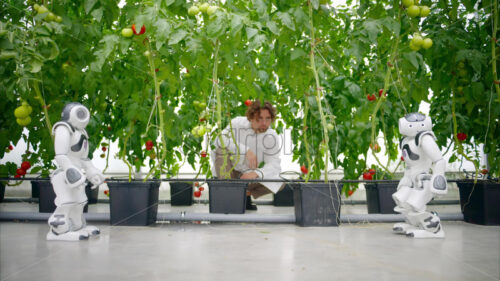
(304, 169)
(461, 136)
(367, 176)
(197, 193)
(21, 172)
(350, 192)
(25, 165)
(248, 103)
(203, 154)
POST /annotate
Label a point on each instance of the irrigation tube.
(249, 218)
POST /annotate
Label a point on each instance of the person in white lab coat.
(252, 151)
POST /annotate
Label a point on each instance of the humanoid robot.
(419, 185)
(67, 223)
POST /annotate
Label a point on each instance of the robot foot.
(402, 228)
(68, 236)
(91, 230)
(420, 233)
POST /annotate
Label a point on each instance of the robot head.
(413, 123)
(76, 114)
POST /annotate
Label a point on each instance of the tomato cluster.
(22, 114)
(41, 10)
(203, 8)
(368, 175)
(197, 190)
(23, 169)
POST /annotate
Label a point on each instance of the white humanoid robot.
(419, 185)
(67, 223)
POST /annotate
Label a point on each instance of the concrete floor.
(248, 251)
(187, 251)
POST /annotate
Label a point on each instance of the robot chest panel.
(79, 144)
(411, 152)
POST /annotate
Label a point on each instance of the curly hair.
(254, 109)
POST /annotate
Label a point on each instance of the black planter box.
(47, 197)
(227, 197)
(284, 197)
(482, 207)
(317, 204)
(35, 191)
(2, 192)
(379, 197)
(181, 194)
(133, 203)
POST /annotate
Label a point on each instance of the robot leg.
(63, 223)
(62, 226)
(400, 197)
(80, 222)
(430, 225)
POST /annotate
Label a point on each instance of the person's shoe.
(250, 206)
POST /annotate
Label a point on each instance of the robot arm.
(94, 175)
(438, 180)
(62, 137)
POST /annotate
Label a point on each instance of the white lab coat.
(266, 146)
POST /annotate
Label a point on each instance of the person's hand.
(249, 176)
(251, 159)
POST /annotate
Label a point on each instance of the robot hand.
(95, 177)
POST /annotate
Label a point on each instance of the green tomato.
(22, 112)
(36, 7)
(42, 9)
(204, 7)
(427, 43)
(193, 11)
(408, 3)
(147, 53)
(59, 19)
(50, 17)
(462, 73)
(424, 11)
(413, 11)
(417, 41)
(196, 103)
(211, 10)
(127, 32)
(413, 47)
(461, 64)
(23, 121)
(329, 127)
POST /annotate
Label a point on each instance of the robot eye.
(81, 114)
(422, 125)
(410, 126)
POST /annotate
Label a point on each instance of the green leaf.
(273, 27)
(236, 23)
(315, 4)
(412, 58)
(178, 35)
(169, 2)
(97, 14)
(260, 6)
(251, 32)
(162, 32)
(108, 43)
(297, 53)
(88, 5)
(372, 28)
(286, 20)
(257, 42)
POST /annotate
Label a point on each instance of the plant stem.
(493, 46)
(304, 131)
(215, 85)
(161, 129)
(122, 156)
(319, 93)
(44, 107)
(383, 97)
(458, 143)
